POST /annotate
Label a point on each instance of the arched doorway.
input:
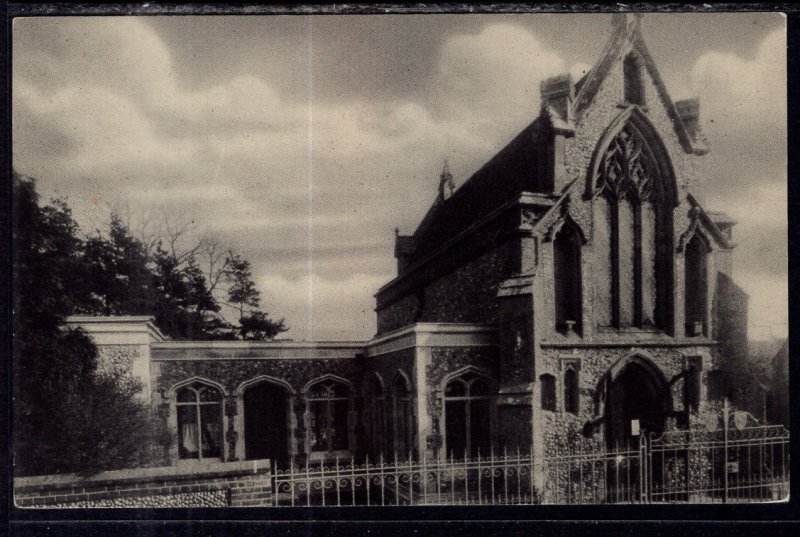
(636, 394)
(266, 423)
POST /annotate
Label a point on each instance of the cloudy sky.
(304, 141)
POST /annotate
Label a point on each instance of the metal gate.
(737, 465)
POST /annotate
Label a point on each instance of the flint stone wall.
(238, 484)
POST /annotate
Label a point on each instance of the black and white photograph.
(332, 260)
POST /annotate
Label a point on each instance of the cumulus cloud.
(308, 188)
(744, 107)
(739, 93)
(491, 79)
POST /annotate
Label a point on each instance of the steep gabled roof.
(514, 169)
(627, 36)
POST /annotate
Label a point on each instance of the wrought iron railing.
(744, 465)
(491, 480)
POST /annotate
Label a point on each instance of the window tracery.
(631, 225)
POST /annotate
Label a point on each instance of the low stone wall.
(231, 484)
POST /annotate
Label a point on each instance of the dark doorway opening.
(265, 423)
(635, 394)
(637, 397)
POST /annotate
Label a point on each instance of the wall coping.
(117, 324)
(608, 343)
(418, 334)
(434, 335)
(354, 345)
(142, 475)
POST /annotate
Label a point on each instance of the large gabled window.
(632, 215)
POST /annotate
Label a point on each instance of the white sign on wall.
(634, 427)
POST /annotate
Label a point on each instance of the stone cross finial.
(628, 23)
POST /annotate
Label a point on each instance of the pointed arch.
(565, 221)
(263, 379)
(695, 228)
(200, 380)
(633, 389)
(641, 359)
(403, 377)
(466, 370)
(631, 134)
(323, 378)
(376, 377)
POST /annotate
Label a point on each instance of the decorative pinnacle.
(446, 180)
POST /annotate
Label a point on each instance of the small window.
(548, 392)
(696, 287)
(199, 409)
(567, 279)
(634, 80)
(571, 392)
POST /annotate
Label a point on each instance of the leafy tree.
(258, 326)
(185, 307)
(118, 274)
(244, 296)
(242, 292)
(66, 414)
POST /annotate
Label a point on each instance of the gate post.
(643, 482)
(725, 411)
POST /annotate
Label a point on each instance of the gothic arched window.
(631, 224)
(571, 393)
(402, 417)
(377, 415)
(696, 287)
(468, 416)
(328, 407)
(199, 409)
(567, 278)
(548, 392)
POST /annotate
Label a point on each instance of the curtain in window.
(199, 412)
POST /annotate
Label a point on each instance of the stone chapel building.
(571, 291)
